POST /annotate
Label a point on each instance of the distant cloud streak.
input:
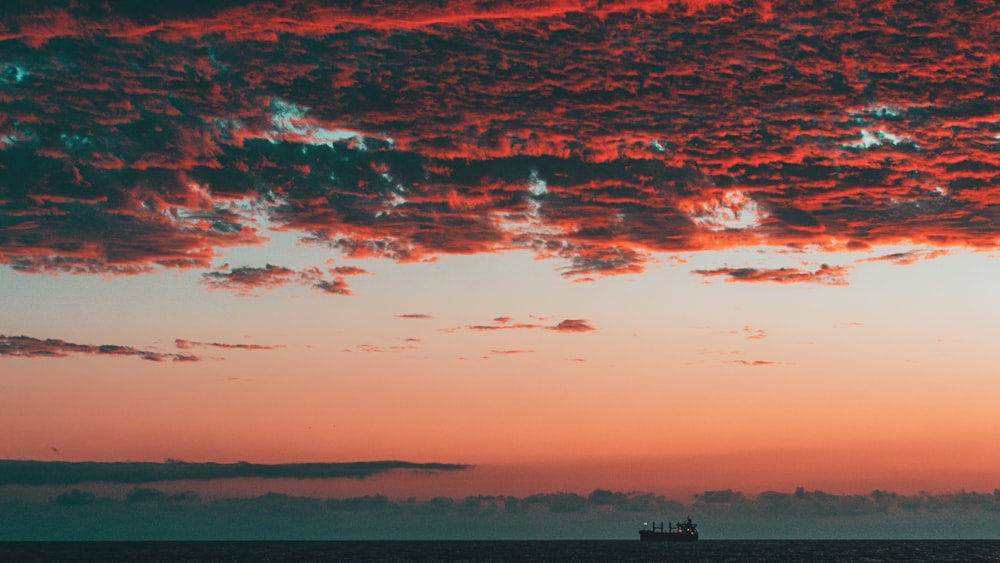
(572, 325)
(28, 347)
(36, 473)
(245, 280)
(505, 323)
(189, 344)
(827, 275)
(908, 257)
(755, 363)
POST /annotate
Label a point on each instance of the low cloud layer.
(151, 513)
(36, 473)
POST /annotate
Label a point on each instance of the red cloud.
(28, 347)
(349, 271)
(415, 316)
(823, 133)
(828, 275)
(259, 23)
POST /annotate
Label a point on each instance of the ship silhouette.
(683, 531)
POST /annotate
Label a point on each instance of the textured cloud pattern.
(134, 139)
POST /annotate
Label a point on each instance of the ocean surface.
(841, 551)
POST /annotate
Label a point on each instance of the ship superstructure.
(682, 531)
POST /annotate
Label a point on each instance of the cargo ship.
(682, 531)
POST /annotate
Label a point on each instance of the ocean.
(708, 551)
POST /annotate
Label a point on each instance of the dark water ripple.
(742, 551)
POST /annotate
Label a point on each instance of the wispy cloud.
(509, 352)
(827, 275)
(755, 363)
(504, 326)
(507, 323)
(28, 347)
(245, 280)
(188, 344)
(908, 257)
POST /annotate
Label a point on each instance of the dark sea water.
(868, 551)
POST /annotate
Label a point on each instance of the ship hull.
(649, 535)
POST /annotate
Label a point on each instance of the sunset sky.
(548, 268)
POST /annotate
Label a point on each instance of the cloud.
(755, 363)
(188, 344)
(214, 124)
(509, 352)
(827, 275)
(240, 21)
(414, 316)
(572, 325)
(727, 496)
(150, 495)
(505, 326)
(908, 257)
(36, 473)
(603, 514)
(506, 323)
(75, 497)
(28, 347)
(349, 271)
(247, 279)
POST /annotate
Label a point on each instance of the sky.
(515, 269)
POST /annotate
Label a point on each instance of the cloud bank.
(148, 513)
(136, 139)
